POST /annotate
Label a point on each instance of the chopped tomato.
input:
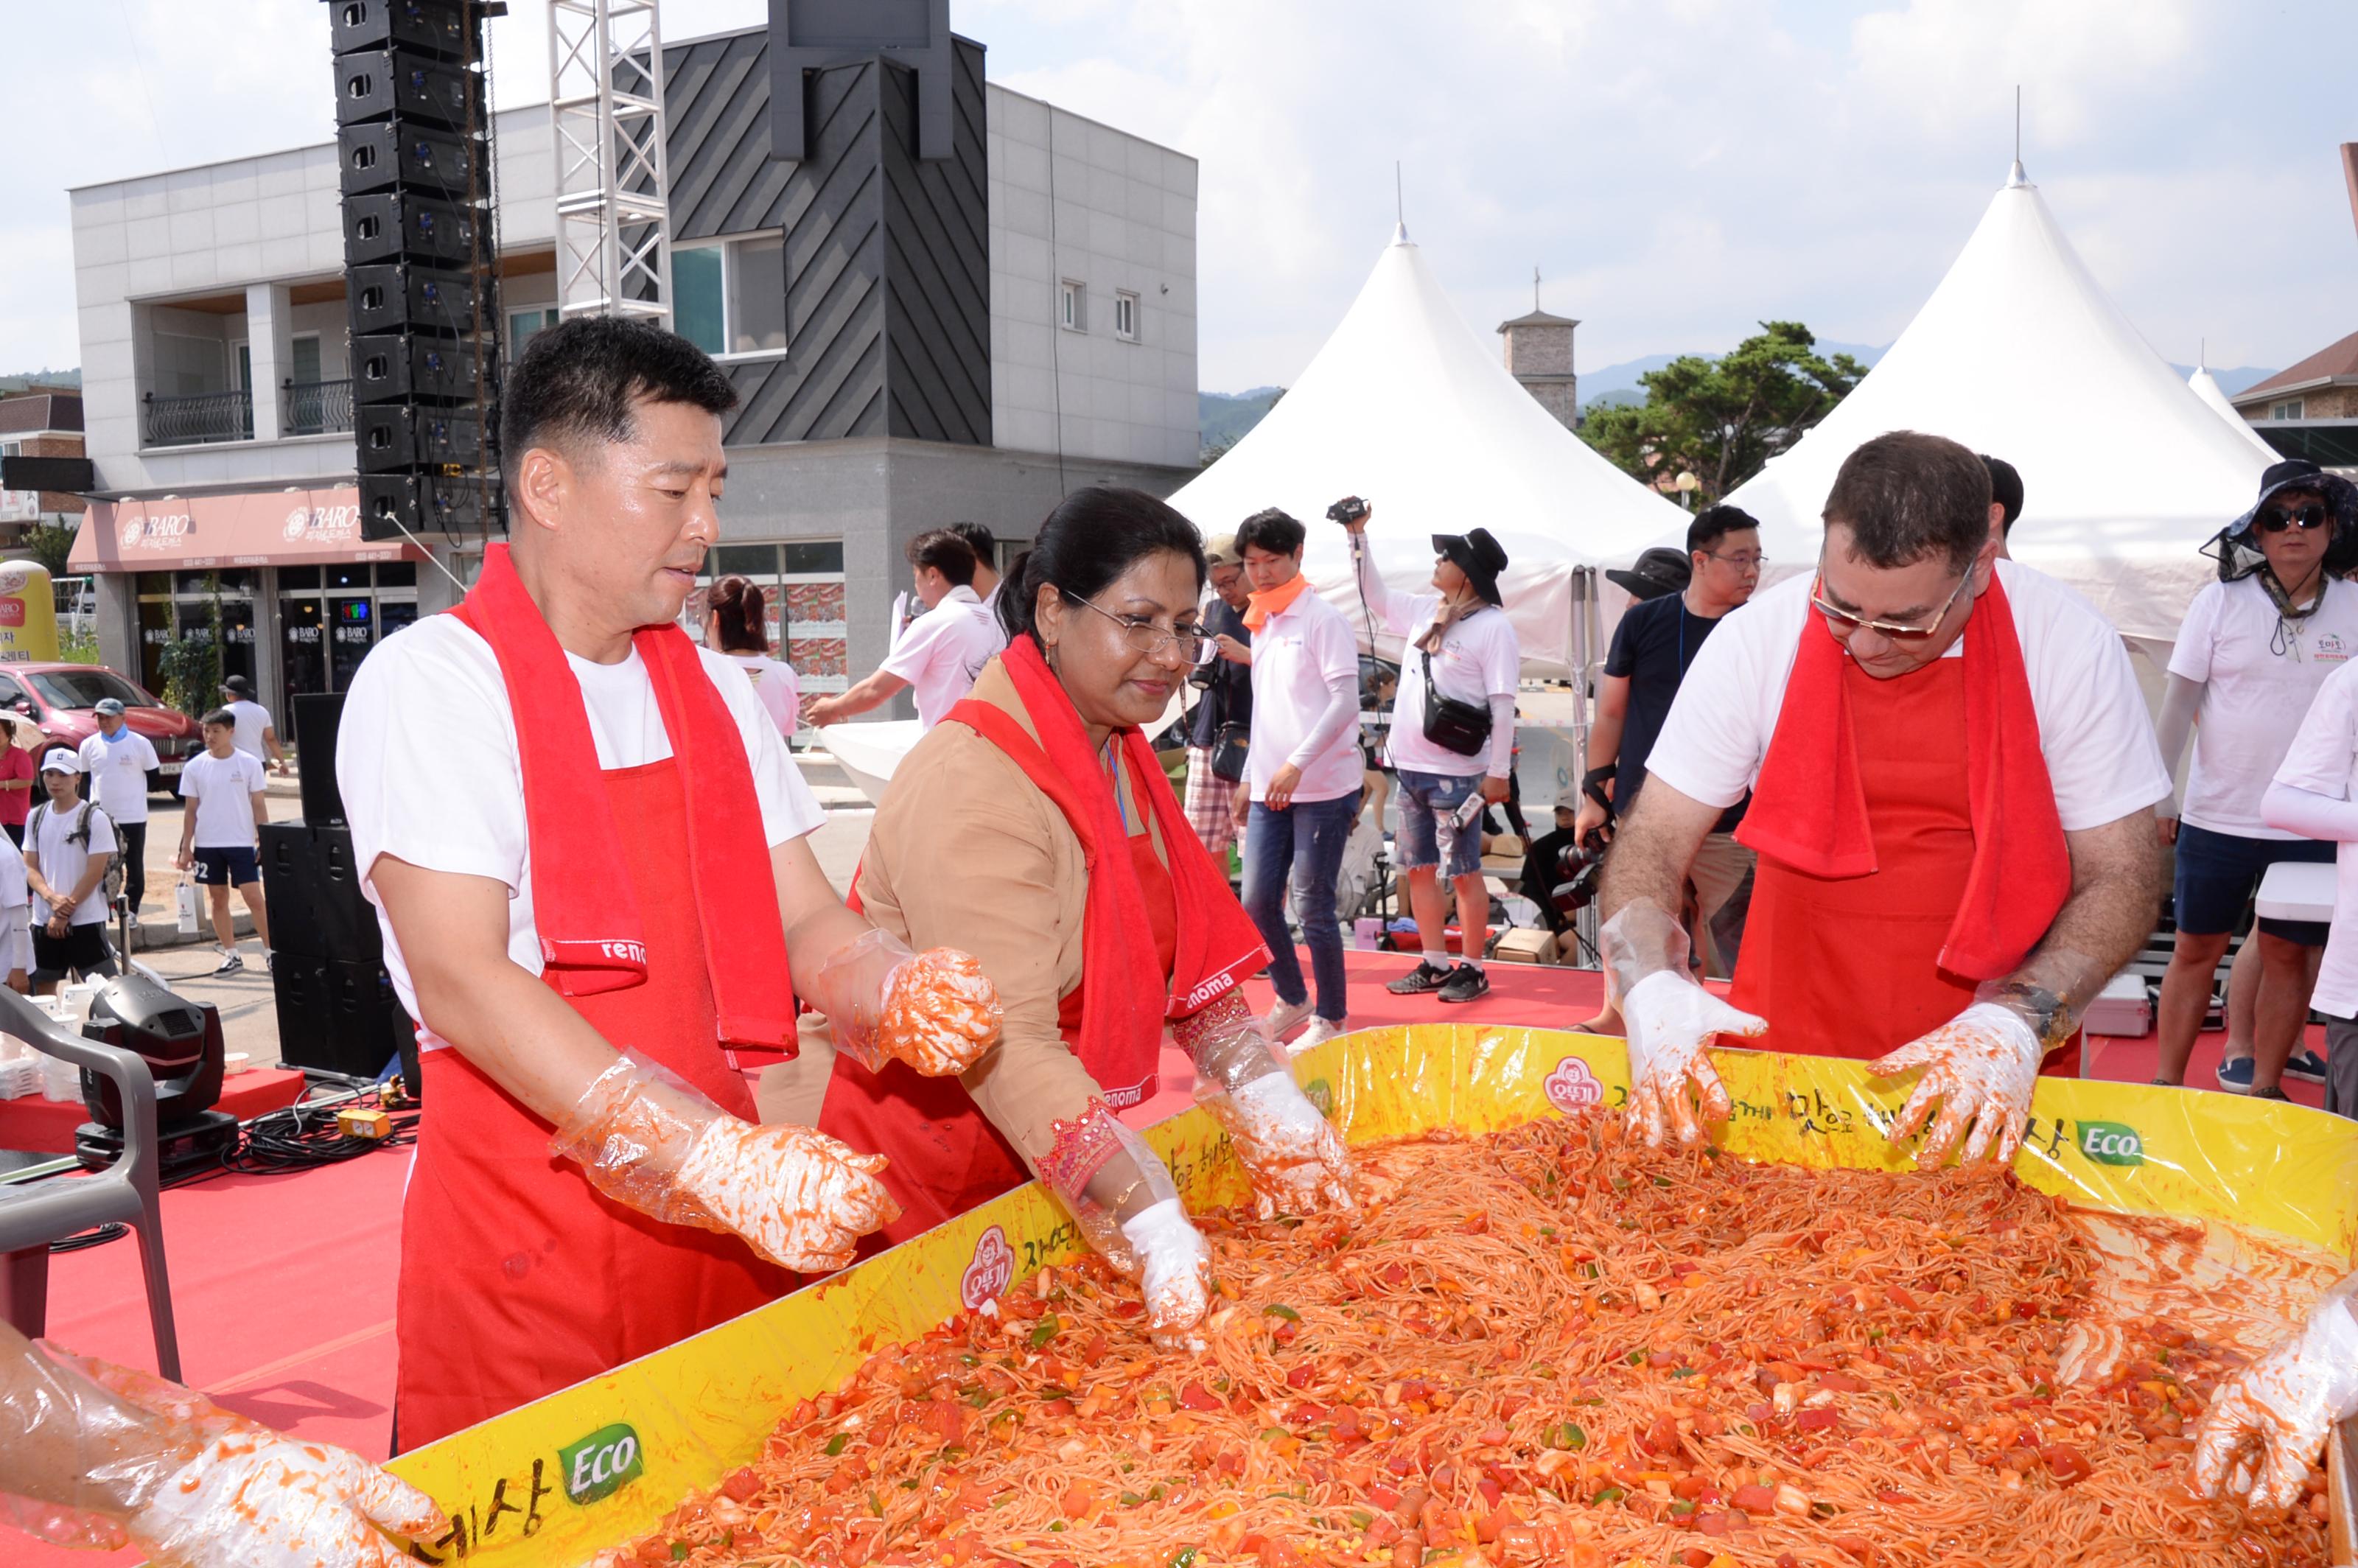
(2067, 1464)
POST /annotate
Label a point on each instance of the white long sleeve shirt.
(1478, 661)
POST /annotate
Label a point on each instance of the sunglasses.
(2310, 514)
(1846, 625)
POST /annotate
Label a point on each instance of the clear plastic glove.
(1670, 1022)
(253, 1498)
(1174, 1266)
(118, 1456)
(1981, 1066)
(649, 1141)
(1293, 1156)
(936, 1011)
(2264, 1424)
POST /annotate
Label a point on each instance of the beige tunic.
(967, 853)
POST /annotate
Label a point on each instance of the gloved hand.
(1670, 1022)
(1981, 1066)
(1174, 1266)
(2266, 1423)
(106, 1456)
(934, 1010)
(1293, 1157)
(252, 1498)
(798, 1198)
(648, 1140)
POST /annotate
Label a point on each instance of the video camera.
(1347, 510)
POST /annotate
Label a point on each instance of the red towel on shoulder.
(591, 939)
(1123, 1001)
(1809, 808)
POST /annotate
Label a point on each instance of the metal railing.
(315, 407)
(192, 421)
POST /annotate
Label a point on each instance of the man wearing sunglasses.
(2253, 650)
(1953, 780)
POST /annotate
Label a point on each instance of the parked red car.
(61, 699)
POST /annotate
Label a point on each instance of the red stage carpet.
(284, 1284)
(46, 1127)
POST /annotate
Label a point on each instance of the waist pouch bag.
(1455, 726)
(1228, 744)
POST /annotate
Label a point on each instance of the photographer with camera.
(1222, 726)
(1453, 738)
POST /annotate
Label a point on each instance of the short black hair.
(1714, 523)
(221, 716)
(980, 540)
(575, 382)
(1270, 530)
(1906, 495)
(1094, 535)
(2006, 490)
(946, 551)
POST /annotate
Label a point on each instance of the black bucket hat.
(2236, 549)
(1478, 555)
(1659, 571)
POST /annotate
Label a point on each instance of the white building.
(218, 402)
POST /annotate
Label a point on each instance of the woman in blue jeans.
(1303, 770)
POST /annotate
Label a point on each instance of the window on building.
(1125, 315)
(1071, 306)
(2288, 409)
(523, 325)
(728, 297)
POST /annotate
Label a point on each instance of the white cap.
(61, 760)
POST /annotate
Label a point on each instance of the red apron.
(517, 1277)
(1849, 965)
(946, 1155)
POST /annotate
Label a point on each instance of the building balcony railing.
(193, 421)
(315, 407)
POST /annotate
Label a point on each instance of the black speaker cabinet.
(437, 27)
(393, 154)
(408, 296)
(402, 225)
(396, 437)
(372, 84)
(316, 715)
(419, 502)
(337, 1017)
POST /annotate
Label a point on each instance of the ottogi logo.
(2111, 1143)
(602, 1463)
(1572, 1087)
(992, 1270)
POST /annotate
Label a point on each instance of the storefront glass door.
(332, 616)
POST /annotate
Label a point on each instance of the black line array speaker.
(421, 258)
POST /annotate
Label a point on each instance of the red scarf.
(1809, 808)
(1123, 1004)
(590, 937)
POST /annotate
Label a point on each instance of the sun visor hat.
(2236, 547)
(1478, 555)
(1659, 571)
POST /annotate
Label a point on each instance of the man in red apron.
(559, 804)
(1953, 776)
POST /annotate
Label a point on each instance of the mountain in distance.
(1222, 417)
(1617, 383)
(23, 379)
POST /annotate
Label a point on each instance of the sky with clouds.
(1678, 169)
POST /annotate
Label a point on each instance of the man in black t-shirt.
(1652, 648)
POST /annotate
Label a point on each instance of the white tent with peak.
(1406, 406)
(2019, 355)
(2206, 388)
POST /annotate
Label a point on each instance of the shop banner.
(257, 528)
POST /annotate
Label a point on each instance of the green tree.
(1722, 419)
(191, 666)
(48, 544)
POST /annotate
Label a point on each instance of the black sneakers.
(1417, 981)
(1465, 982)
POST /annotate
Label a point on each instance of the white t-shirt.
(1300, 656)
(2324, 760)
(48, 833)
(118, 773)
(1478, 658)
(2093, 729)
(774, 684)
(943, 650)
(14, 893)
(253, 719)
(434, 697)
(2260, 675)
(223, 789)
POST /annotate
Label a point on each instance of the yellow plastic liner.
(600, 1462)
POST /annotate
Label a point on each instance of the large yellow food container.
(600, 1462)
